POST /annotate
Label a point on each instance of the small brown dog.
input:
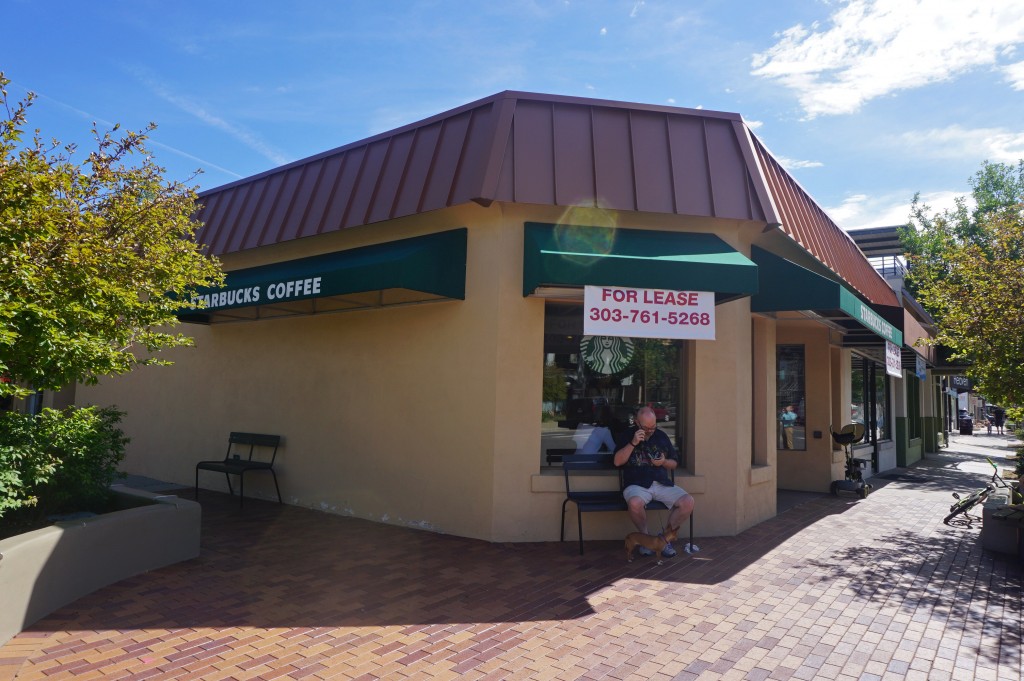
(655, 543)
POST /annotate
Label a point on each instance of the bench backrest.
(594, 462)
(252, 441)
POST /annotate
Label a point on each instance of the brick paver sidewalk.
(835, 588)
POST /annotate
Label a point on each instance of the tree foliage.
(966, 266)
(95, 257)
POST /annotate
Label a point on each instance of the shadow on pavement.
(281, 566)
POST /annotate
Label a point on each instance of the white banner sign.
(648, 313)
(893, 360)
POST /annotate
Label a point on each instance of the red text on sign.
(650, 296)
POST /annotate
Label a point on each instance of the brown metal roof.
(809, 225)
(513, 146)
(541, 149)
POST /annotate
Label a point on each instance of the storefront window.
(593, 385)
(870, 398)
(914, 386)
(790, 397)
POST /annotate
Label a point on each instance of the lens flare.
(584, 234)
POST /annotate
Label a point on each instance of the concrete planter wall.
(46, 569)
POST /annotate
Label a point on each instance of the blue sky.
(865, 101)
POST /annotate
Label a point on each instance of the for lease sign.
(648, 313)
(893, 360)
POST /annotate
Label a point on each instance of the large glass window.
(593, 385)
(870, 398)
(790, 400)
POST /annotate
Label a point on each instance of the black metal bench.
(239, 462)
(595, 501)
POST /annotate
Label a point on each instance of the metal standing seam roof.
(540, 149)
(805, 221)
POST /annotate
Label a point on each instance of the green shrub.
(59, 461)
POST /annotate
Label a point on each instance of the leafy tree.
(95, 257)
(966, 268)
(555, 389)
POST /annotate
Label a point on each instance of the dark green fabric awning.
(575, 255)
(417, 269)
(786, 286)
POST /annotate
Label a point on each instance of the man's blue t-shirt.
(638, 469)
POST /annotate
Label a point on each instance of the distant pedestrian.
(1000, 417)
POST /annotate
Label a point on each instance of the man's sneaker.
(644, 551)
(669, 551)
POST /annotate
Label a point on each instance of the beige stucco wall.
(428, 415)
(387, 414)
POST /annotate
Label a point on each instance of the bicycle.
(963, 505)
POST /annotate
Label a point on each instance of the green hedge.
(59, 461)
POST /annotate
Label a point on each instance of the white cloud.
(603, 31)
(636, 8)
(753, 125)
(1015, 74)
(992, 144)
(794, 164)
(671, 100)
(873, 48)
(861, 210)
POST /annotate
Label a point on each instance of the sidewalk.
(832, 588)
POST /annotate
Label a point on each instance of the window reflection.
(790, 400)
(593, 385)
(870, 398)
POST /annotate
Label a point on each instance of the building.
(408, 312)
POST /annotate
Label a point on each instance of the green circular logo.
(606, 354)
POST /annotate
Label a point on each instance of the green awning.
(786, 286)
(576, 255)
(419, 269)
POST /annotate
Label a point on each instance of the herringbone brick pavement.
(834, 588)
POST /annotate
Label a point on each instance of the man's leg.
(638, 513)
(680, 511)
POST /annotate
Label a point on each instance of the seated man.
(648, 456)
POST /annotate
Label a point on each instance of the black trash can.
(966, 427)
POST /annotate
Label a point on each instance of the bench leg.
(231, 491)
(561, 534)
(579, 524)
(197, 483)
(241, 489)
(276, 487)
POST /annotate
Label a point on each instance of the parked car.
(583, 410)
(660, 410)
(624, 414)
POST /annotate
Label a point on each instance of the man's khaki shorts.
(666, 494)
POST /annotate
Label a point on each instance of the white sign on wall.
(893, 360)
(648, 313)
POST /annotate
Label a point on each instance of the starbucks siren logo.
(606, 354)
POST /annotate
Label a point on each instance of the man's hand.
(638, 437)
(657, 459)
